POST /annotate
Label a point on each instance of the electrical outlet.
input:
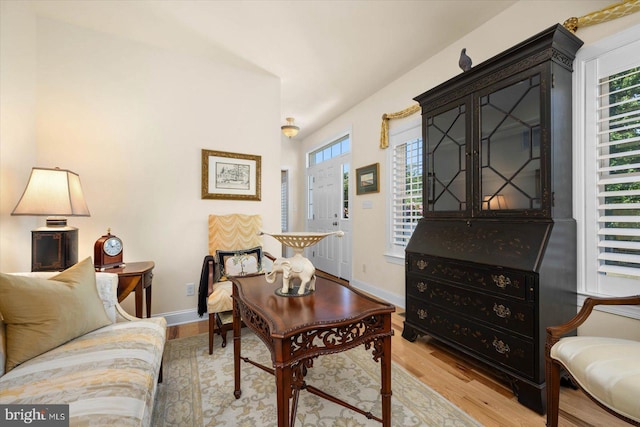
(191, 289)
(364, 268)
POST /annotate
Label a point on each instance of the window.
(618, 175)
(335, 149)
(345, 191)
(405, 182)
(607, 165)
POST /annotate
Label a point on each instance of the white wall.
(131, 120)
(515, 24)
(17, 128)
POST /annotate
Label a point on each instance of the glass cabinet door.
(510, 147)
(446, 168)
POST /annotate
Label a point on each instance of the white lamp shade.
(52, 192)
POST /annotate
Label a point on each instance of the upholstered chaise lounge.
(107, 375)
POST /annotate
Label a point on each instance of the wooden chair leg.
(553, 392)
(222, 330)
(212, 321)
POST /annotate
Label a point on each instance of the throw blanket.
(203, 289)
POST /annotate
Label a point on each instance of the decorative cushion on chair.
(240, 262)
(607, 368)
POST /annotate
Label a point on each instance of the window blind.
(618, 173)
(406, 207)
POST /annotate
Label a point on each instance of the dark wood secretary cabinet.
(492, 262)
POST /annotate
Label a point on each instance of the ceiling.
(329, 55)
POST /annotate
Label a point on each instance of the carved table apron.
(298, 329)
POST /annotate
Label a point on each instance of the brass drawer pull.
(500, 346)
(501, 311)
(421, 286)
(422, 264)
(501, 281)
(422, 314)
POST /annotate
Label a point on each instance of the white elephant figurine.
(296, 267)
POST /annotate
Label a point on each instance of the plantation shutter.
(619, 174)
(406, 184)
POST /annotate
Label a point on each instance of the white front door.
(328, 212)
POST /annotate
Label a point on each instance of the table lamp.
(495, 202)
(56, 194)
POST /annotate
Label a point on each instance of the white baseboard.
(395, 299)
(181, 317)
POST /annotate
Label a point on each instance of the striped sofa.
(107, 377)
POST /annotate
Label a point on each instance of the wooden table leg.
(283, 393)
(294, 406)
(138, 292)
(136, 277)
(147, 297)
(385, 376)
(237, 323)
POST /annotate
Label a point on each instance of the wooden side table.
(297, 330)
(135, 276)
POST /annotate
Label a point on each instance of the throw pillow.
(41, 314)
(240, 263)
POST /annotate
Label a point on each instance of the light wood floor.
(470, 387)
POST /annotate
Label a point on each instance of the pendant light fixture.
(290, 130)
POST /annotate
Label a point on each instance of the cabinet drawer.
(498, 280)
(492, 345)
(509, 314)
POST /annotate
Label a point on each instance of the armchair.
(605, 369)
(235, 248)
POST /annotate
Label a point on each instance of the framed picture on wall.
(230, 176)
(368, 179)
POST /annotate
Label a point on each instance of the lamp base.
(54, 248)
(56, 221)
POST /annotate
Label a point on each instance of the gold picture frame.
(230, 176)
(368, 179)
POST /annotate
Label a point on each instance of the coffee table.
(298, 329)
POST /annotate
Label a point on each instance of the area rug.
(197, 390)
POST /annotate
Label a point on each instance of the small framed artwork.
(368, 179)
(230, 176)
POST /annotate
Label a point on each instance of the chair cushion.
(607, 368)
(41, 314)
(220, 299)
